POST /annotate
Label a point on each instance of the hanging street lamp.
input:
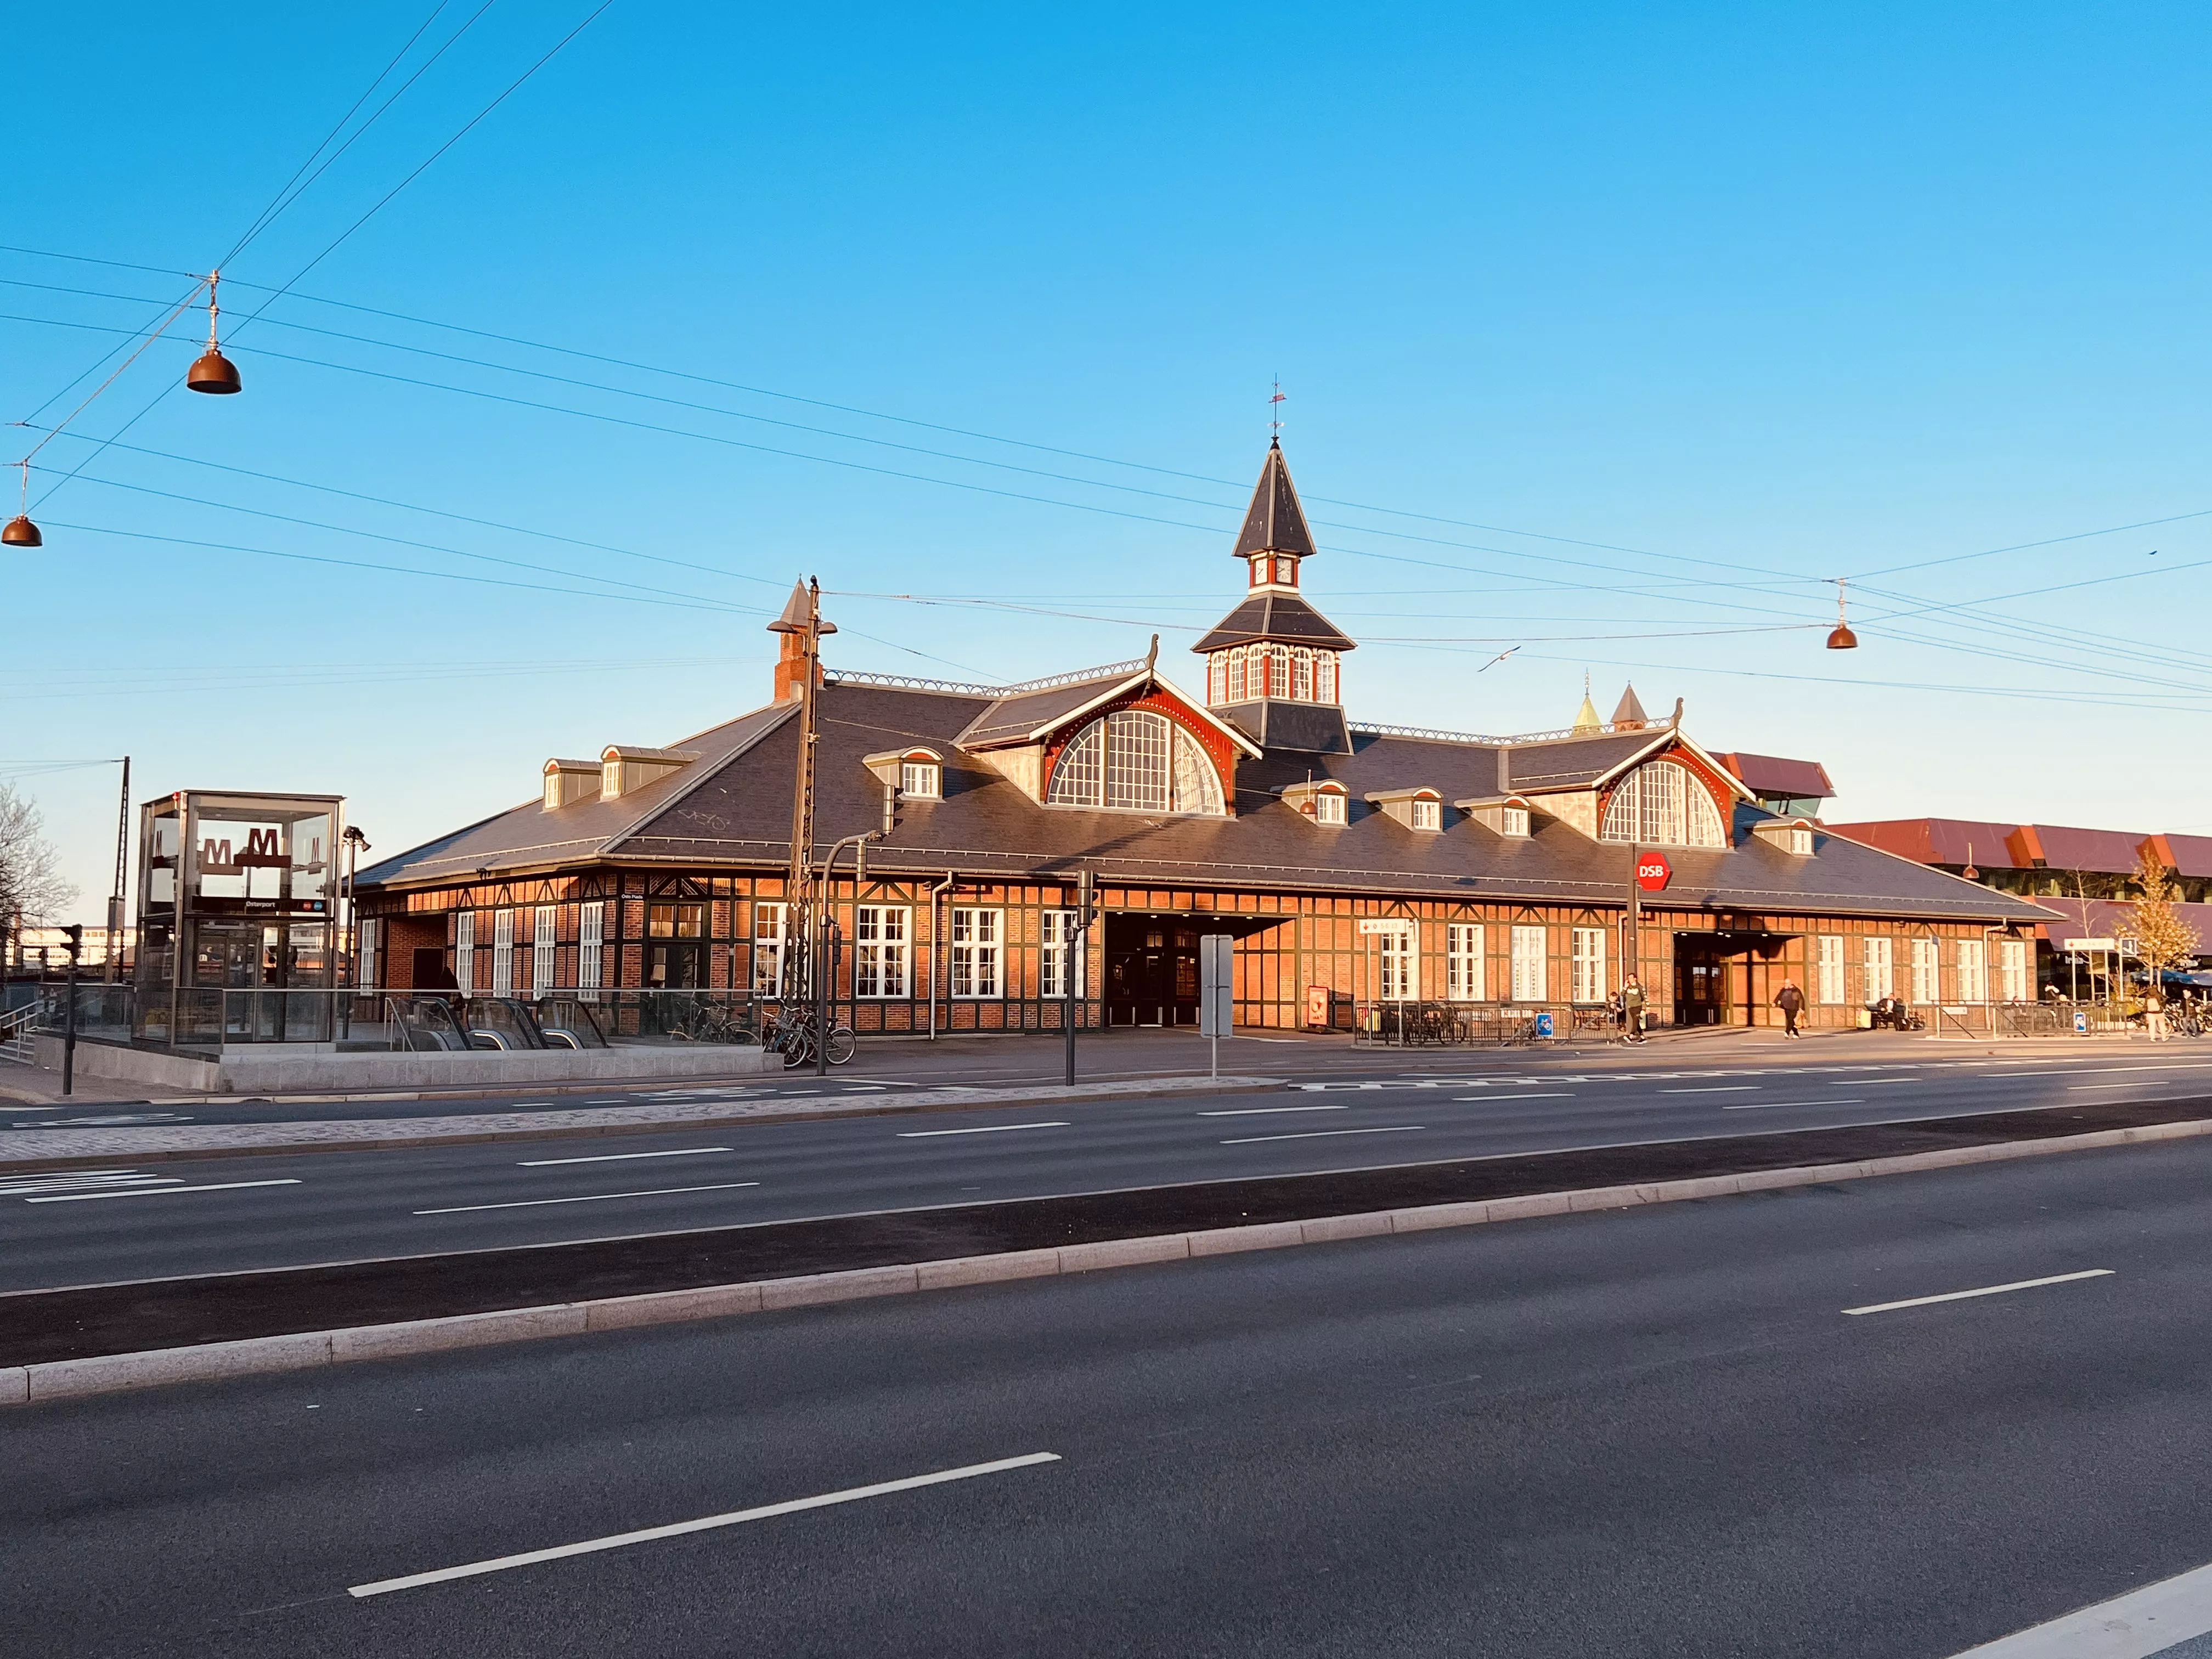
(212, 372)
(1840, 637)
(19, 531)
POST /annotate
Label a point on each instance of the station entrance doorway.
(1726, 976)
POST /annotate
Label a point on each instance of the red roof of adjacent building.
(1772, 774)
(2028, 846)
(1940, 840)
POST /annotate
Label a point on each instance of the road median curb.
(86, 1148)
(77, 1379)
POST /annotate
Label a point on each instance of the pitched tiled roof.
(1577, 762)
(1938, 840)
(2109, 851)
(1012, 719)
(735, 808)
(1282, 617)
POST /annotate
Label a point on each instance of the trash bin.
(1866, 1019)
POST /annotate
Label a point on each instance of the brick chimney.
(791, 668)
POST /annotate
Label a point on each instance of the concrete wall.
(274, 1068)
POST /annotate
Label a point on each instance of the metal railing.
(350, 1018)
(1497, 1025)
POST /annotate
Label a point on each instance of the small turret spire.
(1586, 718)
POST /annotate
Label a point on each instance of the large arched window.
(1140, 761)
(1661, 803)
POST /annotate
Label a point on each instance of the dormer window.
(1801, 842)
(921, 780)
(1328, 806)
(1324, 801)
(1421, 810)
(1513, 821)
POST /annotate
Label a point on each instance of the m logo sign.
(1653, 873)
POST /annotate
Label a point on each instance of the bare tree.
(31, 885)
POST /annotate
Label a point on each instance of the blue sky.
(1625, 329)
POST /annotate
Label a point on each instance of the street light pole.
(824, 911)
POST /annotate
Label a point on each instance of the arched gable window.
(1661, 804)
(1138, 761)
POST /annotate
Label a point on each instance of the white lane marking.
(160, 1192)
(1986, 1290)
(588, 1198)
(985, 1129)
(1269, 1111)
(29, 1109)
(1713, 1088)
(2084, 1088)
(1558, 1094)
(2108, 1071)
(2153, 1620)
(1866, 1082)
(1762, 1105)
(705, 1523)
(1318, 1134)
(617, 1157)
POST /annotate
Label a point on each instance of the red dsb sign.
(1653, 873)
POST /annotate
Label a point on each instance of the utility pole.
(122, 861)
(802, 618)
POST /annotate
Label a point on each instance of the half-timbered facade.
(1354, 865)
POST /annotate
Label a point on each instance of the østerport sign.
(1653, 873)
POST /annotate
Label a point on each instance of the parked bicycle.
(792, 1032)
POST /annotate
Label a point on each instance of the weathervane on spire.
(1275, 422)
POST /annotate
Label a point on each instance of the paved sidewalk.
(63, 1148)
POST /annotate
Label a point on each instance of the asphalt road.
(123, 1223)
(1652, 1433)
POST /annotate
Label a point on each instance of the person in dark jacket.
(1792, 1001)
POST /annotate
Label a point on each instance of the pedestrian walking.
(1792, 1001)
(2154, 1014)
(1632, 1009)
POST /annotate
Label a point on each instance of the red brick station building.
(1354, 863)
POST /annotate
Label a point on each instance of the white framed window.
(364, 967)
(1302, 675)
(590, 941)
(921, 780)
(1924, 978)
(1426, 814)
(1137, 760)
(1513, 821)
(977, 938)
(1661, 803)
(1589, 945)
(1463, 965)
(1973, 971)
(1325, 676)
(1328, 806)
(1057, 955)
(879, 950)
(767, 950)
(1529, 945)
(1880, 960)
(2013, 970)
(1279, 672)
(1400, 982)
(543, 927)
(1801, 842)
(464, 950)
(1217, 676)
(1237, 674)
(1828, 969)
(503, 953)
(552, 790)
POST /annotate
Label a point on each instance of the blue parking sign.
(1544, 1023)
